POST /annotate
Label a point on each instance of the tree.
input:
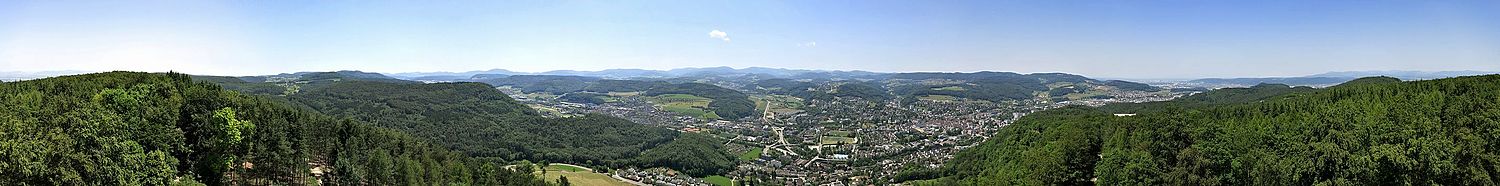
(563, 181)
(127, 128)
(1369, 132)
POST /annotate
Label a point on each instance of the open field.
(545, 110)
(717, 180)
(778, 103)
(752, 155)
(937, 98)
(840, 133)
(565, 168)
(623, 94)
(579, 176)
(830, 140)
(950, 88)
(685, 104)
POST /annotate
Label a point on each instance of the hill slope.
(483, 122)
(477, 119)
(1427, 132)
(125, 128)
(727, 103)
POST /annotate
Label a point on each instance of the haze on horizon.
(1134, 39)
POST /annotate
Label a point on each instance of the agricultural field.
(717, 180)
(685, 104)
(579, 176)
(840, 133)
(778, 103)
(950, 88)
(752, 155)
(569, 168)
(623, 94)
(832, 140)
(938, 98)
(547, 111)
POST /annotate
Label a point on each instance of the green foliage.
(478, 120)
(543, 83)
(125, 128)
(1126, 85)
(1437, 132)
(726, 103)
(1369, 81)
(1223, 96)
(583, 97)
(719, 180)
(696, 154)
(862, 90)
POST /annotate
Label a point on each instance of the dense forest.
(727, 103)
(1369, 132)
(1221, 96)
(126, 128)
(483, 122)
(696, 154)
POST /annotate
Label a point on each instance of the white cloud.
(808, 44)
(719, 35)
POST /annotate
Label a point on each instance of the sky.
(1124, 39)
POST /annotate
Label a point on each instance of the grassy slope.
(685, 104)
(579, 176)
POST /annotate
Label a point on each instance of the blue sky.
(1128, 39)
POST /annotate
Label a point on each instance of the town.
(839, 141)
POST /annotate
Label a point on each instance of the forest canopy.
(1373, 132)
(128, 128)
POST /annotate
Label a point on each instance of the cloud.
(719, 35)
(808, 44)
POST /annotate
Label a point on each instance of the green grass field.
(565, 168)
(830, 140)
(717, 180)
(686, 105)
(623, 94)
(840, 133)
(937, 97)
(578, 176)
(681, 98)
(950, 88)
(779, 103)
(752, 155)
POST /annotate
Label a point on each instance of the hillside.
(127, 128)
(1435, 132)
(727, 103)
(1221, 96)
(1300, 81)
(483, 122)
(474, 118)
(1004, 86)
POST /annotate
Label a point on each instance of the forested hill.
(1221, 96)
(1435, 132)
(1002, 86)
(727, 103)
(127, 128)
(482, 121)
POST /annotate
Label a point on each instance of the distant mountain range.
(1404, 75)
(18, 75)
(631, 73)
(1330, 78)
